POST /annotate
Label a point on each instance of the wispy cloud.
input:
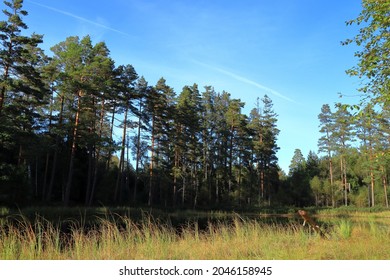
(246, 81)
(79, 18)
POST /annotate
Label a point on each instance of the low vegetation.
(119, 237)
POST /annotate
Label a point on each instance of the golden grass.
(151, 240)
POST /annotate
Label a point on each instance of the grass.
(344, 228)
(119, 237)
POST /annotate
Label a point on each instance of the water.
(87, 220)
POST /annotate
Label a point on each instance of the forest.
(78, 129)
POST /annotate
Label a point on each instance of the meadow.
(146, 235)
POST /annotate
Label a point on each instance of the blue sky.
(287, 49)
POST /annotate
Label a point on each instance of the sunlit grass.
(119, 237)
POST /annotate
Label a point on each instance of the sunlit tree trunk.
(384, 182)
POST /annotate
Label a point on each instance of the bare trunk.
(262, 182)
(44, 190)
(2, 97)
(111, 133)
(73, 150)
(183, 195)
(372, 177)
(331, 182)
(55, 156)
(118, 185)
(97, 157)
(343, 180)
(90, 175)
(138, 154)
(230, 158)
(384, 182)
(176, 164)
(151, 166)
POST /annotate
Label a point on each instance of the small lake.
(66, 219)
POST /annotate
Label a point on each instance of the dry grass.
(151, 240)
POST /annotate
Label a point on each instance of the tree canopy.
(78, 129)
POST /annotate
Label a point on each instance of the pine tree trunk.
(73, 150)
(138, 155)
(183, 195)
(111, 133)
(89, 175)
(345, 181)
(118, 185)
(331, 180)
(2, 97)
(262, 182)
(151, 166)
(372, 176)
(97, 157)
(176, 164)
(384, 182)
(55, 156)
(231, 159)
(45, 177)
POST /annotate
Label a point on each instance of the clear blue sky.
(287, 49)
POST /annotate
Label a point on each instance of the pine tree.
(234, 120)
(209, 130)
(85, 71)
(263, 125)
(126, 91)
(23, 95)
(327, 142)
(343, 135)
(139, 144)
(159, 106)
(187, 141)
(299, 181)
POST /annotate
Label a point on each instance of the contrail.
(79, 18)
(247, 81)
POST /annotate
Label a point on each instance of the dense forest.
(77, 129)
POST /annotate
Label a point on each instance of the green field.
(142, 235)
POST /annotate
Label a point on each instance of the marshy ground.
(133, 234)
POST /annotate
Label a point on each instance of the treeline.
(77, 129)
(355, 167)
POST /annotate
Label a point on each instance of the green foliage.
(59, 116)
(196, 149)
(373, 54)
(344, 229)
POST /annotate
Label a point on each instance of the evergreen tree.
(188, 116)
(326, 143)
(299, 181)
(262, 122)
(159, 106)
(22, 98)
(139, 144)
(343, 135)
(126, 76)
(83, 95)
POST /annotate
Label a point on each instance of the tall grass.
(118, 237)
(344, 229)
